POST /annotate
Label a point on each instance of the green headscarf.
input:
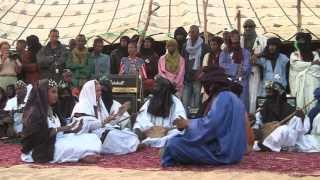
(172, 60)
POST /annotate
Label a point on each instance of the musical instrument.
(124, 108)
(268, 128)
(250, 133)
(117, 121)
(157, 132)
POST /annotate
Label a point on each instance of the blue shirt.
(99, 64)
(278, 74)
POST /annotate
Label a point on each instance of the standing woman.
(30, 67)
(172, 65)
(9, 68)
(45, 139)
(235, 61)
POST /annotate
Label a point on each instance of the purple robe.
(226, 61)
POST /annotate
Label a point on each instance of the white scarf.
(195, 52)
(87, 102)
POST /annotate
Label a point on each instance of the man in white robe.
(275, 109)
(159, 112)
(304, 74)
(16, 104)
(111, 105)
(97, 119)
(255, 44)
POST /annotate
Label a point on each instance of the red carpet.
(299, 164)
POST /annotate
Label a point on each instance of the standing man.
(304, 73)
(52, 57)
(78, 62)
(255, 44)
(193, 53)
(99, 63)
(273, 64)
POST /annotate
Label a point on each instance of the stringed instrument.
(124, 108)
(157, 132)
(268, 128)
(250, 133)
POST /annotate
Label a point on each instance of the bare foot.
(91, 159)
(141, 146)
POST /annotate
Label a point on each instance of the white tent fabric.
(108, 18)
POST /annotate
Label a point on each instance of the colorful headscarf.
(172, 60)
(20, 84)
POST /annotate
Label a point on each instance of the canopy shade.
(109, 18)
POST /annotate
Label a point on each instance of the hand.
(254, 59)
(125, 106)
(110, 118)
(181, 123)
(300, 113)
(251, 119)
(74, 127)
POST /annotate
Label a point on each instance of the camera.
(13, 55)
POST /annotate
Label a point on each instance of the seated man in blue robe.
(216, 138)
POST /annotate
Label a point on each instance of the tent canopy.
(110, 18)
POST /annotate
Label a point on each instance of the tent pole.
(143, 33)
(299, 16)
(238, 16)
(205, 23)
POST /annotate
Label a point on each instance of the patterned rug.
(296, 164)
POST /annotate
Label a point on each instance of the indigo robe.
(215, 139)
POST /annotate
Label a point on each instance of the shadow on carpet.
(297, 164)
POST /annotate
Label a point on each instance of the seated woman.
(154, 123)
(99, 121)
(45, 139)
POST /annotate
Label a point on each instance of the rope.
(256, 14)
(169, 28)
(60, 17)
(197, 4)
(308, 7)
(140, 14)
(84, 23)
(226, 12)
(284, 12)
(25, 28)
(16, 2)
(114, 15)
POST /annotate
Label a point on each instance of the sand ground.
(32, 172)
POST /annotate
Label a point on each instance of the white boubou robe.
(304, 78)
(118, 141)
(311, 142)
(69, 147)
(146, 121)
(12, 105)
(285, 136)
